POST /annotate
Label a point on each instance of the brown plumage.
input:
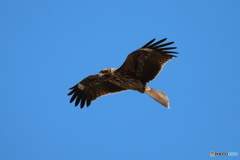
(140, 67)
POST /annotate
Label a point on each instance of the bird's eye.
(104, 71)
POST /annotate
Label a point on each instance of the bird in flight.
(140, 67)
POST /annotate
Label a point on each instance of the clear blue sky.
(48, 46)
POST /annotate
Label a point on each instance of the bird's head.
(107, 72)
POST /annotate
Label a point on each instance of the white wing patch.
(146, 49)
(80, 86)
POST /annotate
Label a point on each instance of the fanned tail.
(159, 96)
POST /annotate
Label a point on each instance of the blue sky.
(49, 46)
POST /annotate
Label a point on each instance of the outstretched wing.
(148, 61)
(91, 88)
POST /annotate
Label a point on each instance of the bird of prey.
(140, 67)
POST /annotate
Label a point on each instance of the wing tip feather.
(158, 45)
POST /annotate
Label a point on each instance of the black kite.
(140, 67)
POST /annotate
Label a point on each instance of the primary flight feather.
(140, 67)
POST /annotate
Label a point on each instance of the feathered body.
(140, 67)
